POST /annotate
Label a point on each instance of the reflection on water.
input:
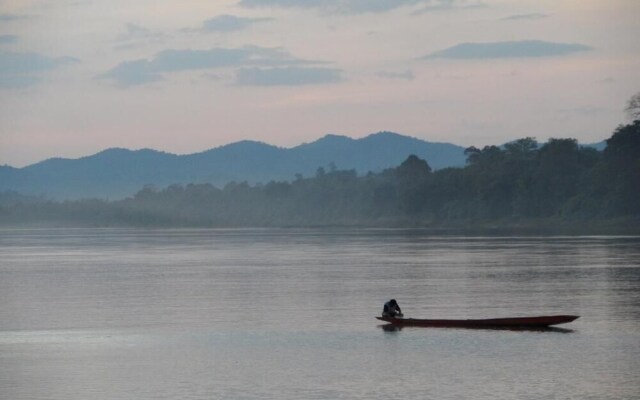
(254, 314)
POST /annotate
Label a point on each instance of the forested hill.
(117, 173)
(518, 184)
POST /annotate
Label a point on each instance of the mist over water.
(254, 314)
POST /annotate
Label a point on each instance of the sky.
(80, 76)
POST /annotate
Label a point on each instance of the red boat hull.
(518, 322)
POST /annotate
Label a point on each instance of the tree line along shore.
(556, 186)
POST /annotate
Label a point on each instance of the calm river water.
(289, 314)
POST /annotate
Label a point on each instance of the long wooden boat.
(517, 322)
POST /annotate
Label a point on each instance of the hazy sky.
(79, 76)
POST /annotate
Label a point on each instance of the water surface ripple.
(289, 314)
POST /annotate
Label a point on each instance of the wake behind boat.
(517, 322)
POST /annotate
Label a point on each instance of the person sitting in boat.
(391, 309)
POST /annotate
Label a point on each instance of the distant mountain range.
(116, 173)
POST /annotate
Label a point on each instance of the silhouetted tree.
(622, 166)
(633, 107)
